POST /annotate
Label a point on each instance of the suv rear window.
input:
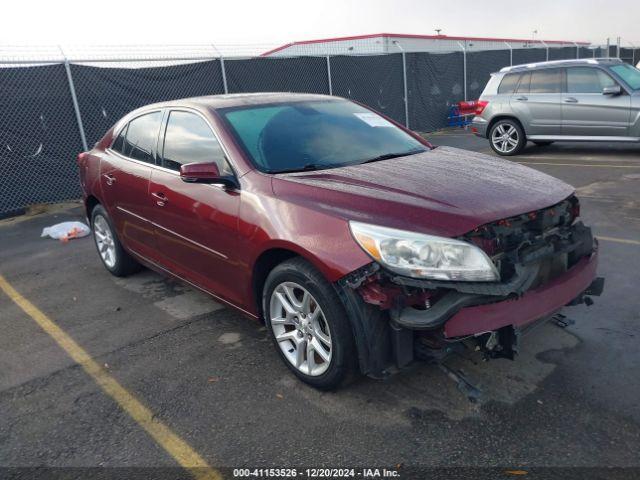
(546, 81)
(509, 83)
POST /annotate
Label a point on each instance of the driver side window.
(189, 139)
(587, 80)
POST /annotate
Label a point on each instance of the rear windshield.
(630, 75)
(315, 135)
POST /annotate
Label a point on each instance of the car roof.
(238, 99)
(561, 63)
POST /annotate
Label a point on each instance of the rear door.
(196, 224)
(125, 171)
(586, 111)
(537, 102)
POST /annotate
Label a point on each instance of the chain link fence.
(54, 104)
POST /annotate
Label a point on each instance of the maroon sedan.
(360, 245)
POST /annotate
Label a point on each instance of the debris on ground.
(66, 231)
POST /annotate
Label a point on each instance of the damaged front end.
(546, 260)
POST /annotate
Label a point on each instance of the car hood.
(445, 191)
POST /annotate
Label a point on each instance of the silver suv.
(570, 100)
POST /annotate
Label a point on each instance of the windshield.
(630, 75)
(314, 135)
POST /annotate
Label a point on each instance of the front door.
(196, 224)
(586, 111)
(125, 171)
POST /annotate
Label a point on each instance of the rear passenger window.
(509, 83)
(142, 135)
(189, 139)
(546, 81)
(587, 80)
(523, 86)
(118, 143)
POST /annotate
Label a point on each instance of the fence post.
(329, 75)
(223, 71)
(547, 47)
(224, 75)
(510, 53)
(577, 50)
(406, 91)
(464, 67)
(74, 100)
(404, 81)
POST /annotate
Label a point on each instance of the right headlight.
(424, 256)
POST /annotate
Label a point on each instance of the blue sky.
(272, 22)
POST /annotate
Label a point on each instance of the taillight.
(480, 106)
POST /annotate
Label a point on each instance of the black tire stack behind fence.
(40, 134)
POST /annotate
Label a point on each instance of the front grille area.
(550, 238)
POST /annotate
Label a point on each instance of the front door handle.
(522, 98)
(570, 100)
(161, 198)
(109, 179)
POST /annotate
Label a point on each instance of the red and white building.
(382, 43)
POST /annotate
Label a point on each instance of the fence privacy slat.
(40, 139)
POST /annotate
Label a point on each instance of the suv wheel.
(309, 325)
(507, 138)
(113, 256)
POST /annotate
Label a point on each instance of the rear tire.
(507, 138)
(540, 143)
(113, 256)
(309, 325)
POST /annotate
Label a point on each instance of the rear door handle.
(522, 98)
(161, 198)
(570, 100)
(109, 179)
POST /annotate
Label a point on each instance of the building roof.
(425, 37)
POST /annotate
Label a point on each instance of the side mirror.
(205, 173)
(614, 90)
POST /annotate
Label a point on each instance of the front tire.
(113, 256)
(507, 138)
(309, 325)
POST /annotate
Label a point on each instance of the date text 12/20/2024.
(315, 473)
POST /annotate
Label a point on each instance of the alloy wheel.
(300, 328)
(104, 240)
(505, 138)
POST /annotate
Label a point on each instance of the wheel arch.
(497, 118)
(89, 204)
(264, 264)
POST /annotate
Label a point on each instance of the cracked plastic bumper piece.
(468, 314)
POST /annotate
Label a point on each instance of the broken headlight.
(424, 256)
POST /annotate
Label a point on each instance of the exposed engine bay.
(530, 251)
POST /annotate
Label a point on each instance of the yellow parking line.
(186, 456)
(618, 240)
(580, 165)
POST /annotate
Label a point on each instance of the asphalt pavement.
(211, 377)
